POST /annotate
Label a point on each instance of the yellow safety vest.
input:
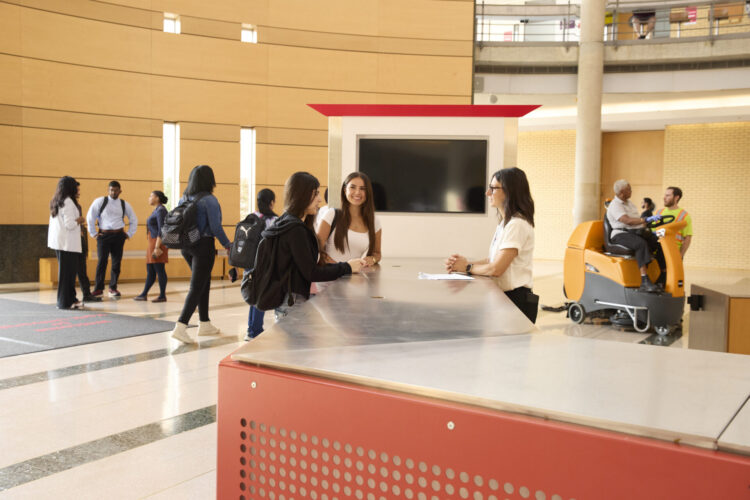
(680, 216)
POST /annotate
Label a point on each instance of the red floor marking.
(73, 325)
(47, 321)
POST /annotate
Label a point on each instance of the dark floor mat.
(29, 327)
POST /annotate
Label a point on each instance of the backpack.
(180, 229)
(262, 286)
(247, 236)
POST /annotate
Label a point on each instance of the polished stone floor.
(135, 417)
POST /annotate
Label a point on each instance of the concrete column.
(589, 121)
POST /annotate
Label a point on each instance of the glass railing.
(624, 21)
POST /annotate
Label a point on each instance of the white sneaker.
(180, 333)
(206, 328)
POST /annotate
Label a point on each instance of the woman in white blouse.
(356, 230)
(64, 237)
(512, 247)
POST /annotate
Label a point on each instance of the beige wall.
(711, 164)
(637, 157)
(548, 158)
(85, 87)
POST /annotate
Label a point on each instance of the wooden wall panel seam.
(378, 52)
(194, 139)
(366, 36)
(230, 82)
(35, 127)
(300, 145)
(57, 110)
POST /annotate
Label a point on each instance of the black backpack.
(247, 236)
(262, 286)
(180, 229)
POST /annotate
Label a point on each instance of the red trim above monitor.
(445, 110)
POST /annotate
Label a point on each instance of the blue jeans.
(255, 322)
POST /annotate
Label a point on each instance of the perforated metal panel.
(290, 436)
(279, 463)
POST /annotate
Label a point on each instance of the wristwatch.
(468, 268)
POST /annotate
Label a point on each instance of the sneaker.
(180, 333)
(96, 293)
(250, 336)
(92, 298)
(113, 292)
(159, 299)
(206, 328)
(139, 298)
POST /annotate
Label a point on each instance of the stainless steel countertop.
(466, 342)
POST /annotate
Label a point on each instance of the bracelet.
(468, 268)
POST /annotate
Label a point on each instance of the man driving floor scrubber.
(629, 231)
(609, 274)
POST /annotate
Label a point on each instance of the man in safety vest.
(672, 196)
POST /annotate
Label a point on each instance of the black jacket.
(298, 248)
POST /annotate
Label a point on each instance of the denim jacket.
(209, 218)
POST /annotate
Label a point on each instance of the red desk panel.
(284, 435)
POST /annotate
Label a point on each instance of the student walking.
(157, 255)
(110, 212)
(202, 255)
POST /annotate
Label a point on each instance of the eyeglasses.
(492, 188)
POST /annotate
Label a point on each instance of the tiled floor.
(134, 418)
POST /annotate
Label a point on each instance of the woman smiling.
(354, 231)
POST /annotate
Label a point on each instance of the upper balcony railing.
(624, 21)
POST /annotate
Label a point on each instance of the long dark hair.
(298, 194)
(649, 203)
(162, 197)
(201, 180)
(518, 199)
(67, 187)
(341, 233)
(265, 198)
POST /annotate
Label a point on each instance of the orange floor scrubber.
(602, 279)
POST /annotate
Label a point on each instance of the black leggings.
(152, 270)
(67, 264)
(201, 259)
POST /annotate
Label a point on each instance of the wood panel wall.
(85, 87)
(637, 157)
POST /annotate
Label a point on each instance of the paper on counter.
(452, 276)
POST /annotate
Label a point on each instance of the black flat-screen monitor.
(426, 175)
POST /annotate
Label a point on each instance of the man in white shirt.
(628, 230)
(110, 213)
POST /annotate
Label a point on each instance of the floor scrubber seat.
(613, 248)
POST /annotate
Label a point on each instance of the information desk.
(386, 386)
